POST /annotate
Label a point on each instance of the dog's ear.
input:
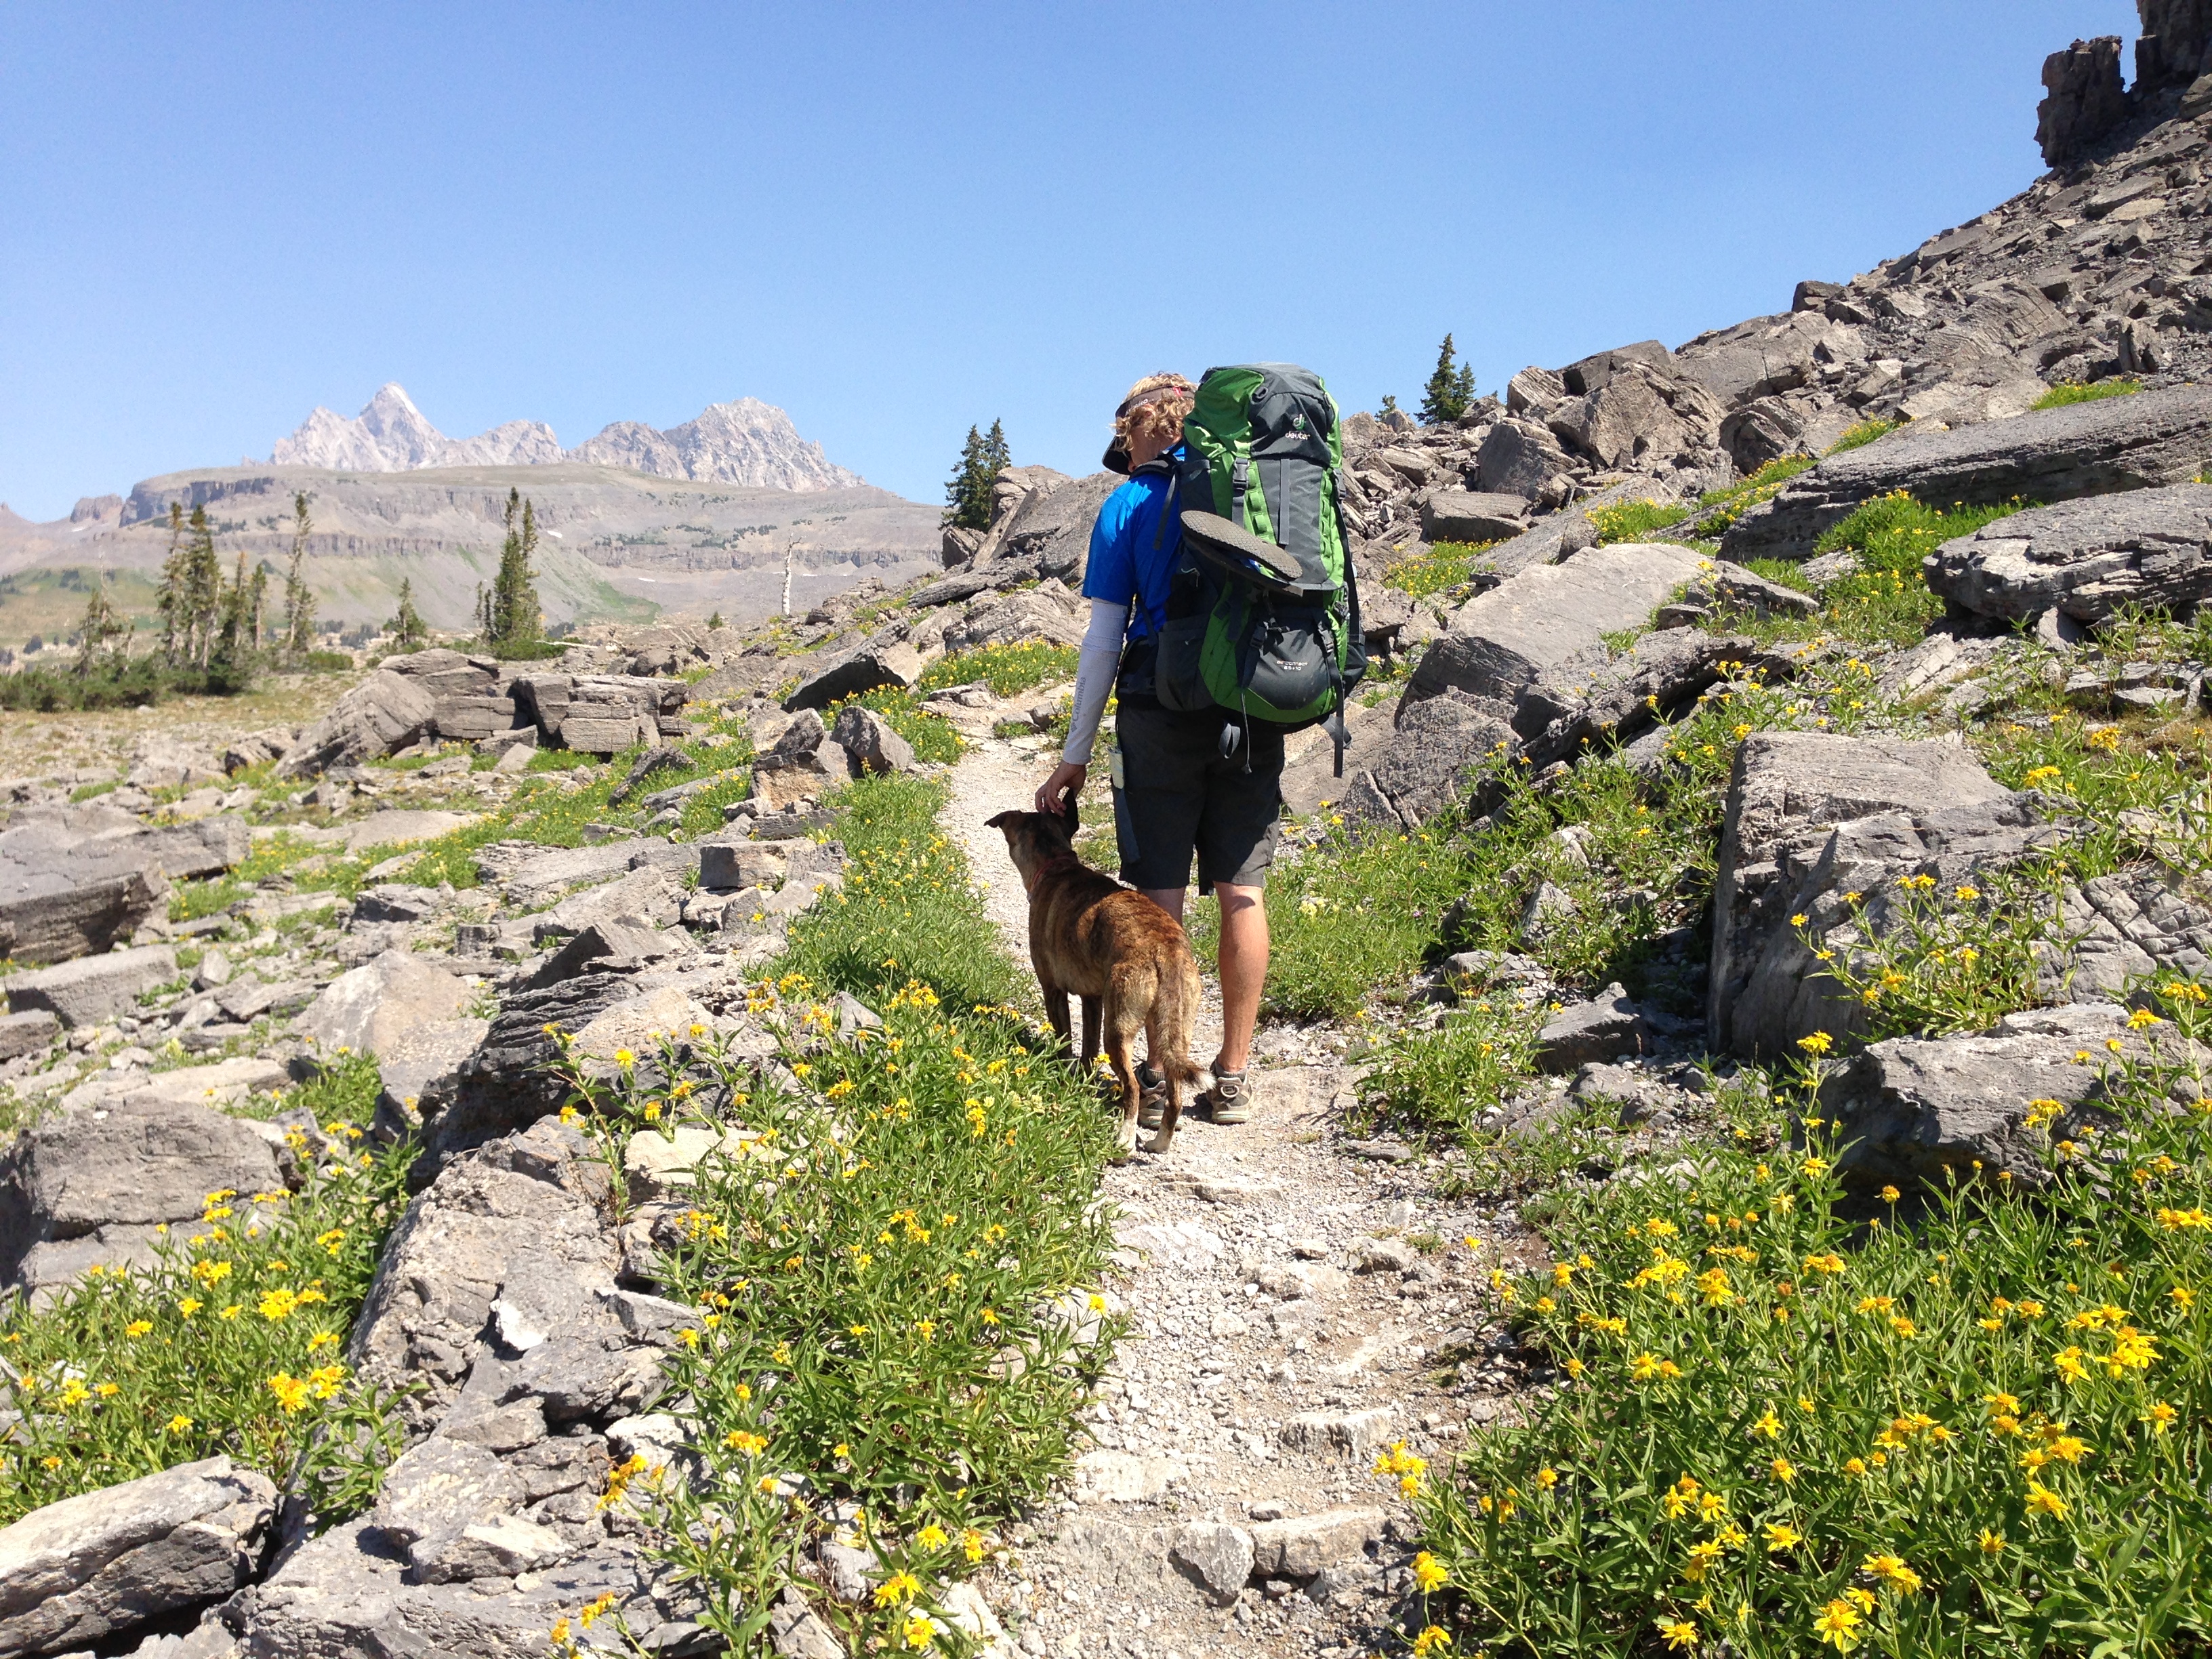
(1003, 820)
(1071, 818)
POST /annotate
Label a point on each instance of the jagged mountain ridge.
(747, 442)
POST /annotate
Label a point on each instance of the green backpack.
(1262, 616)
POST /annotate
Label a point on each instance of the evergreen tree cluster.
(968, 493)
(508, 614)
(1449, 391)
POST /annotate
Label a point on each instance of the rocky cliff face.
(747, 442)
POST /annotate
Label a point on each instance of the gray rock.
(2154, 439)
(66, 893)
(408, 1067)
(1584, 702)
(1302, 1546)
(730, 866)
(1464, 515)
(644, 893)
(1549, 908)
(2083, 101)
(868, 739)
(1048, 527)
(1607, 1027)
(28, 1033)
(1383, 1255)
(1552, 617)
(661, 757)
(91, 988)
(2085, 558)
(796, 1632)
(91, 1183)
(1787, 792)
(1908, 1111)
(97, 1567)
(1440, 747)
(621, 945)
(438, 1486)
(1533, 392)
(539, 876)
(1596, 372)
(370, 1009)
(1640, 417)
(1216, 1555)
(472, 719)
(1522, 457)
(1047, 613)
(867, 666)
(1353, 1434)
(386, 712)
(1765, 355)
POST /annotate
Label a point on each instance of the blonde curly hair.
(1153, 409)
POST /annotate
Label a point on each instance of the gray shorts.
(1181, 796)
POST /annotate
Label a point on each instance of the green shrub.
(1783, 1425)
(230, 1344)
(1634, 521)
(2079, 391)
(1441, 1081)
(1007, 669)
(132, 682)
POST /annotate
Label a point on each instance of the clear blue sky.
(894, 219)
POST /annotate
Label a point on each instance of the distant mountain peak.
(746, 442)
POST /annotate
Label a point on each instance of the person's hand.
(1058, 793)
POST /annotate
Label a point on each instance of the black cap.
(1116, 459)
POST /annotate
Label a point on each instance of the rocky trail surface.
(1295, 1311)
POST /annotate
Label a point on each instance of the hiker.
(1175, 792)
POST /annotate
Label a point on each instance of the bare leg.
(1243, 969)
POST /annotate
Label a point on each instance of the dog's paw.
(1161, 1141)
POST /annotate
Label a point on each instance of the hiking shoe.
(1229, 1099)
(1152, 1096)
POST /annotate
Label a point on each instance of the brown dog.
(1127, 959)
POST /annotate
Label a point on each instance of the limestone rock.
(90, 989)
(1466, 515)
(371, 1008)
(384, 713)
(2084, 100)
(1216, 1555)
(870, 742)
(91, 1183)
(1301, 1546)
(1786, 794)
(867, 666)
(1439, 747)
(1550, 617)
(28, 1033)
(398, 829)
(65, 895)
(2154, 439)
(1607, 1027)
(98, 1566)
(1522, 457)
(2086, 558)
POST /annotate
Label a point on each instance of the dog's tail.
(1174, 1020)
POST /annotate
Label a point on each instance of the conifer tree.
(1449, 391)
(171, 604)
(512, 620)
(231, 652)
(714, 621)
(258, 601)
(968, 492)
(202, 588)
(299, 600)
(101, 626)
(409, 631)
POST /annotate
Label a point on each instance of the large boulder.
(371, 1009)
(1048, 614)
(2115, 444)
(1787, 793)
(386, 712)
(1568, 708)
(89, 989)
(870, 666)
(1469, 515)
(1639, 418)
(1522, 457)
(1766, 356)
(1550, 617)
(398, 829)
(65, 892)
(1847, 888)
(2083, 101)
(98, 1567)
(870, 744)
(444, 673)
(93, 1182)
(1049, 526)
(2085, 558)
(1441, 746)
(1909, 1112)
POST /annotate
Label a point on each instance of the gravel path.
(1295, 1309)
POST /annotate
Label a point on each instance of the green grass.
(1781, 1426)
(1446, 568)
(1635, 521)
(1008, 670)
(930, 736)
(1716, 509)
(1352, 917)
(214, 1349)
(888, 1289)
(2089, 391)
(1863, 433)
(1887, 598)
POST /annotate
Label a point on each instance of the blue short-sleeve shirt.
(1132, 554)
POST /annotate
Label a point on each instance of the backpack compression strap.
(1339, 734)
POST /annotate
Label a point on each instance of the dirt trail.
(1290, 1303)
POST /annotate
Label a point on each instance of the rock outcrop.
(2150, 548)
